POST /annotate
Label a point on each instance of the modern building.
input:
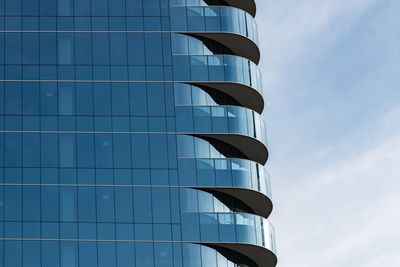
(131, 135)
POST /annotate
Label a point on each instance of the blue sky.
(332, 84)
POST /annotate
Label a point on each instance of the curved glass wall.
(214, 19)
(217, 68)
(214, 173)
(220, 119)
(247, 5)
(226, 228)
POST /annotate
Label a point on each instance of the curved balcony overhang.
(239, 145)
(237, 44)
(227, 73)
(225, 24)
(251, 236)
(261, 256)
(259, 203)
(247, 5)
(239, 179)
(245, 95)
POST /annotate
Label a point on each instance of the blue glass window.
(50, 204)
(101, 50)
(106, 254)
(105, 204)
(69, 254)
(118, 48)
(125, 254)
(12, 253)
(144, 254)
(87, 204)
(161, 205)
(87, 253)
(142, 205)
(50, 253)
(103, 148)
(31, 203)
(68, 204)
(124, 205)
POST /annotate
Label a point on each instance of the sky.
(331, 72)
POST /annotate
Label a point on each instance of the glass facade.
(129, 136)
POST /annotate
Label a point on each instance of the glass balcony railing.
(217, 69)
(247, 5)
(239, 228)
(231, 173)
(214, 20)
(220, 119)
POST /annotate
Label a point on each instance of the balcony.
(247, 5)
(231, 27)
(241, 233)
(220, 120)
(238, 127)
(240, 179)
(235, 76)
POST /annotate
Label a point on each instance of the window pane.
(13, 203)
(87, 254)
(118, 53)
(69, 254)
(125, 255)
(106, 254)
(102, 99)
(68, 205)
(124, 205)
(50, 204)
(87, 204)
(64, 7)
(66, 99)
(161, 205)
(142, 205)
(12, 253)
(101, 49)
(83, 48)
(67, 150)
(120, 99)
(31, 253)
(144, 255)
(163, 255)
(85, 150)
(105, 204)
(50, 254)
(158, 151)
(136, 55)
(104, 155)
(65, 48)
(31, 199)
(140, 150)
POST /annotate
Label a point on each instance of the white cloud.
(293, 30)
(294, 35)
(348, 213)
(339, 204)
